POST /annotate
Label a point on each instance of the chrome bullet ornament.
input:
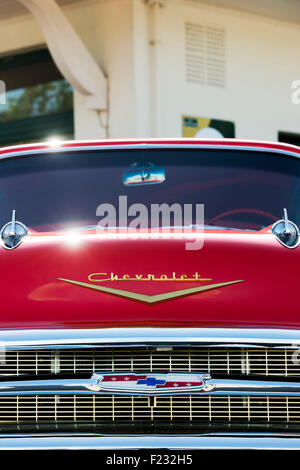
(286, 231)
(13, 233)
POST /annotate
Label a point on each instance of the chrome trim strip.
(87, 387)
(154, 145)
(249, 441)
(69, 338)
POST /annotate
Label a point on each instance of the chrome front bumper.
(66, 338)
(141, 442)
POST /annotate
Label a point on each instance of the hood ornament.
(13, 233)
(171, 383)
(286, 231)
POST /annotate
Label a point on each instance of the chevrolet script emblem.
(150, 384)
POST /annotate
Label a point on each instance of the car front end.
(121, 329)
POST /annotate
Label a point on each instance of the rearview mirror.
(142, 174)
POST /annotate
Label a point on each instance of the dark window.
(39, 101)
(289, 138)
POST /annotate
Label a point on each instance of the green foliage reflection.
(38, 100)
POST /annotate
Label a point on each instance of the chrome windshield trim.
(87, 386)
(102, 337)
(263, 441)
(243, 146)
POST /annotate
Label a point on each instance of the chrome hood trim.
(68, 338)
(242, 145)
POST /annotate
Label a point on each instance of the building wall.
(142, 50)
(261, 62)
(106, 28)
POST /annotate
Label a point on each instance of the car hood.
(73, 281)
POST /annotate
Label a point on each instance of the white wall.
(106, 27)
(17, 34)
(262, 61)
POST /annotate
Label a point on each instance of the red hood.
(33, 296)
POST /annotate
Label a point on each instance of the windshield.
(62, 190)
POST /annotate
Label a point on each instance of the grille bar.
(95, 408)
(216, 360)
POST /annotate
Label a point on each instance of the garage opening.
(39, 101)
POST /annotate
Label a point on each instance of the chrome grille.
(96, 408)
(216, 360)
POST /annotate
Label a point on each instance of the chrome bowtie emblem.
(150, 384)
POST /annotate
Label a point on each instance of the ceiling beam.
(71, 56)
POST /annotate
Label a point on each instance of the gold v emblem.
(150, 299)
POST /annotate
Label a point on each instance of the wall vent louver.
(205, 55)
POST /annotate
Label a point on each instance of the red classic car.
(148, 295)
